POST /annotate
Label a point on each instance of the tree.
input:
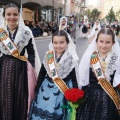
(118, 14)
(88, 13)
(111, 15)
(95, 14)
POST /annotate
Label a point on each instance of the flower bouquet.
(74, 97)
(115, 30)
(70, 24)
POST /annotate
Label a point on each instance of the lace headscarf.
(61, 27)
(93, 29)
(114, 64)
(86, 22)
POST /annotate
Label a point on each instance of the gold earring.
(17, 22)
(5, 22)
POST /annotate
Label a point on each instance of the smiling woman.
(11, 16)
(99, 76)
(104, 44)
(17, 77)
(59, 45)
(58, 72)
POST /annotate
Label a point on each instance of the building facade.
(49, 10)
(106, 5)
(75, 7)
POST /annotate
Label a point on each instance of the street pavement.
(42, 44)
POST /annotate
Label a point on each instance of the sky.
(92, 2)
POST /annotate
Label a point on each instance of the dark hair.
(61, 33)
(106, 31)
(116, 20)
(10, 5)
(64, 19)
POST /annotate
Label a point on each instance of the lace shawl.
(64, 67)
(21, 40)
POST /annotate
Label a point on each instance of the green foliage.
(111, 15)
(88, 13)
(118, 14)
(93, 15)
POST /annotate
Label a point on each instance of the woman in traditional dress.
(60, 62)
(17, 77)
(99, 76)
(64, 24)
(84, 28)
(96, 28)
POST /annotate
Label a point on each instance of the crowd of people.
(87, 27)
(41, 28)
(44, 28)
(31, 90)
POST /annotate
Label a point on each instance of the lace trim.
(63, 68)
(38, 112)
(21, 40)
(112, 65)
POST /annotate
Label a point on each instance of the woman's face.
(59, 44)
(11, 16)
(104, 43)
(97, 23)
(63, 22)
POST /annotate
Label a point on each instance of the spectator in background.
(73, 29)
(116, 27)
(55, 27)
(39, 27)
(35, 30)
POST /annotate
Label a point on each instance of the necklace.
(12, 32)
(12, 29)
(101, 58)
(104, 63)
(58, 58)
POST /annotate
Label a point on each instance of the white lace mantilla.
(112, 65)
(21, 40)
(64, 67)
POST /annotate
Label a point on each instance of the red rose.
(119, 85)
(74, 94)
(88, 27)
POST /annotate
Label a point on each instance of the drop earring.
(17, 22)
(5, 22)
